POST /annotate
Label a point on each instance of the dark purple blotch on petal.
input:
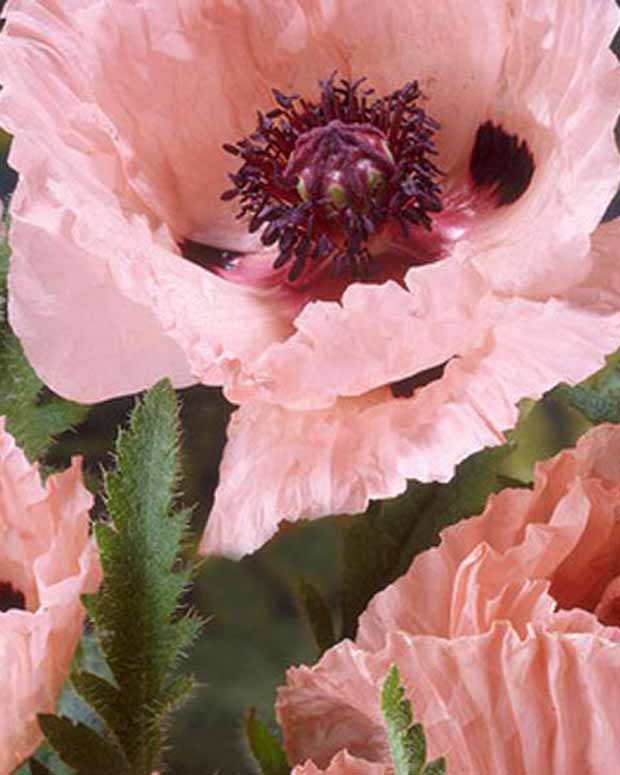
(501, 162)
(11, 598)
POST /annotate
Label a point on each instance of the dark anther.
(284, 101)
(11, 597)
(322, 178)
(405, 388)
(501, 163)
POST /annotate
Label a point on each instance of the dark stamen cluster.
(323, 178)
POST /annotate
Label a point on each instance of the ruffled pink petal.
(490, 703)
(375, 335)
(45, 553)
(381, 334)
(343, 764)
(502, 680)
(83, 239)
(329, 461)
(305, 457)
(80, 295)
(335, 460)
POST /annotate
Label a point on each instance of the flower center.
(11, 597)
(323, 179)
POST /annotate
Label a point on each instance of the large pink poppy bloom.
(507, 636)
(47, 561)
(409, 264)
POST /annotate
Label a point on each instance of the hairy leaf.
(265, 748)
(406, 740)
(142, 633)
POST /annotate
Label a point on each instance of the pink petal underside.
(46, 553)
(334, 460)
(491, 703)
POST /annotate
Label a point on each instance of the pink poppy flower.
(399, 252)
(507, 636)
(47, 560)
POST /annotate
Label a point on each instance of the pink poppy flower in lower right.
(47, 561)
(369, 222)
(507, 636)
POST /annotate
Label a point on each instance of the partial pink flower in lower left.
(47, 561)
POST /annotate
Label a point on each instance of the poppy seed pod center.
(341, 165)
(323, 179)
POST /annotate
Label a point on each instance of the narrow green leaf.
(406, 740)
(82, 748)
(265, 748)
(48, 758)
(318, 614)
